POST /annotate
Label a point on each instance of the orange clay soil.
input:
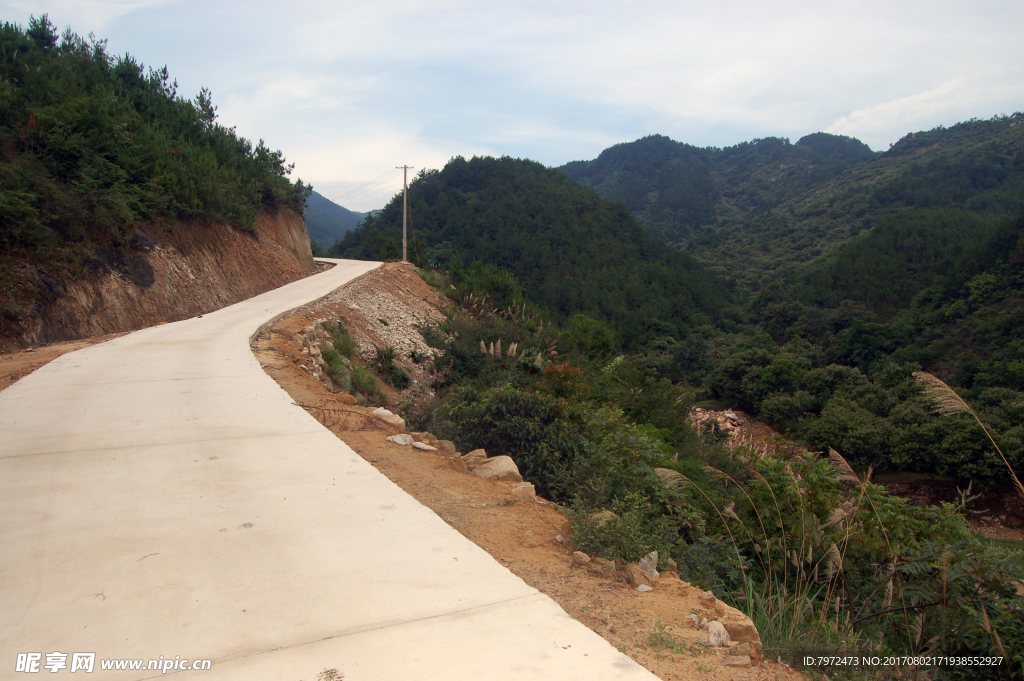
(16, 365)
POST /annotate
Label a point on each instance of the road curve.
(161, 496)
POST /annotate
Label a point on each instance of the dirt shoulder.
(17, 365)
(526, 535)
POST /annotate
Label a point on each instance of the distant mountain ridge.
(912, 256)
(763, 208)
(328, 222)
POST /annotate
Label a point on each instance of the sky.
(348, 91)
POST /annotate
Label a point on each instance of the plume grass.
(945, 401)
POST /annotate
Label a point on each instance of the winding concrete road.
(160, 496)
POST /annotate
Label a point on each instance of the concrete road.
(161, 497)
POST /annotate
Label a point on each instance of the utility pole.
(405, 206)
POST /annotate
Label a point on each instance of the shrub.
(345, 370)
(384, 365)
(540, 433)
(637, 528)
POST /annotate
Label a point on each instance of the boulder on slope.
(501, 468)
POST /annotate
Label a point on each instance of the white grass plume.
(946, 401)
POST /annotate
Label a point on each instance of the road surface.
(161, 497)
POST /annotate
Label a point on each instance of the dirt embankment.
(529, 536)
(168, 272)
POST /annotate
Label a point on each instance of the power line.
(363, 188)
(378, 181)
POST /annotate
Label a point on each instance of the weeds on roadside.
(344, 369)
(815, 554)
(391, 373)
(662, 640)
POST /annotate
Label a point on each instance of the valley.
(788, 374)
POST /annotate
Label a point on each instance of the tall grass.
(839, 565)
(946, 402)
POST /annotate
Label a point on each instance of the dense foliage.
(818, 557)
(877, 417)
(858, 268)
(93, 145)
(573, 251)
(762, 207)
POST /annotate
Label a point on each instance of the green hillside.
(93, 145)
(573, 251)
(759, 209)
(328, 222)
(854, 270)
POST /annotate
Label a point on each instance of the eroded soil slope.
(167, 272)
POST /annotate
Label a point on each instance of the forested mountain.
(93, 145)
(826, 351)
(573, 251)
(95, 153)
(758, 209)
(328, 222)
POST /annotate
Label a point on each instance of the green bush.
(384, 365)
(345, 370)
(541, 433)
(637, 528)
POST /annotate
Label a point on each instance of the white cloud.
(951, 101)
(903, 112)
(348, 89)
(82, 15)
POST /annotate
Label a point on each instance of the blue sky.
(349, 90)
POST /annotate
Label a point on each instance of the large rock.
(424, 446)
(635, 576)
(501, 468)
(523, 490)
(389, 417)
(601, 517)
(424, 437)
(737, 661)
(475, 458)
(747, 649)
(649, 564)
(740, 628)
(457, 464)
(446, 447)
(717, 635)
(403, 439)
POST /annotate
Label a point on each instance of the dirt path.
(528, 536)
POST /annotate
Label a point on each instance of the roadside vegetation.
(94, 148)
(94, 145)
(812, 284)
(818, 556)
(347, 372)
